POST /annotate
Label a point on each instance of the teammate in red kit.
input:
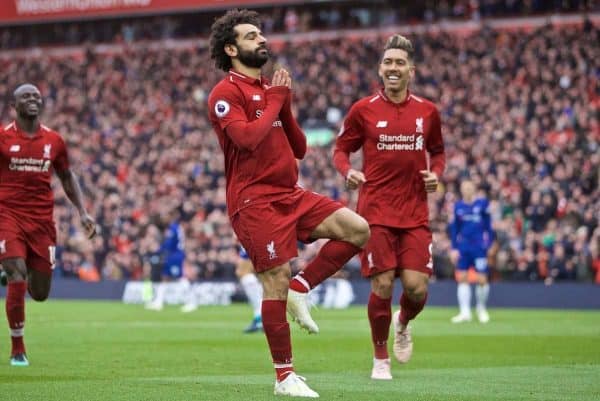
(397, 132)
(269, 212)
(29, 152)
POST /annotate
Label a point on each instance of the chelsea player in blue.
(472, 236)
(252, 288)
(172, 251)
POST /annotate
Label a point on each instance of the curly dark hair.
(222, 33)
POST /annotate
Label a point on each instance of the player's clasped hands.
(430, 179)
(354, 179)
(282, 77)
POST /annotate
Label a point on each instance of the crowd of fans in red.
(520, 117)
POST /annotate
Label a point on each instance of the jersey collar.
(403, 103)
(13, 126)
(236, 75)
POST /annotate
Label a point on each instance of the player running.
(29, 153)
(397, 132)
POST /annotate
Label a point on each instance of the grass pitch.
(110, 351)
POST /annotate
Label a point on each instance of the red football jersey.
(26, 166)
(395, 139)
(260, 159)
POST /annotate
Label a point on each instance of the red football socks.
(331, 258)
(409, 309)
(277, 331)
(380, 317)
(15, 313)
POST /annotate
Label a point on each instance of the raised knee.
(362, 232)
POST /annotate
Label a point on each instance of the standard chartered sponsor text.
(396, 142)
(29, 164)
(57, 6)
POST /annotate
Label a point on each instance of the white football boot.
(294, 386)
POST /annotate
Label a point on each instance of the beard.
(253, 59)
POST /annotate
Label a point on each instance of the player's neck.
(244, 69)
(396, 96)
(28, 126)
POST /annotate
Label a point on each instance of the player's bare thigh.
(276, 281)
(243, 268)
(343, 225)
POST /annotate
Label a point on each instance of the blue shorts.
(173, 266)
(475, 257)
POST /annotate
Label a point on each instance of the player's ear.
(231, 50)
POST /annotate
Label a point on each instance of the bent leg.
(343, 225)
(414, 294)
(348, 233)
(39, 284)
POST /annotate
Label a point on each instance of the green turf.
(109, 351)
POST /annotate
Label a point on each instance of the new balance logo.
(3, 246)
(381, 124)
(271, 250)
(14, 148)
(419, 123)
(256, 98)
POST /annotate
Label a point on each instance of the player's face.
(251, 46)
(396, 70)
(28, 102)
(467, 189)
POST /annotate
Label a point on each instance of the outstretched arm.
(73, 192)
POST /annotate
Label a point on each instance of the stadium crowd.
(293, 18)
(520, 117)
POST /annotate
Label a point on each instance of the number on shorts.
(52, 252)
(430, 263)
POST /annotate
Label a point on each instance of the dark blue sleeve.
(487, 223)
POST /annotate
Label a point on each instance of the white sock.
(481, 295)
(463, 294)
(159, 289)
(253, 290)
(189, 298)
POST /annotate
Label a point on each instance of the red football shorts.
(29, 239)
(269, 231)
(392, 248)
